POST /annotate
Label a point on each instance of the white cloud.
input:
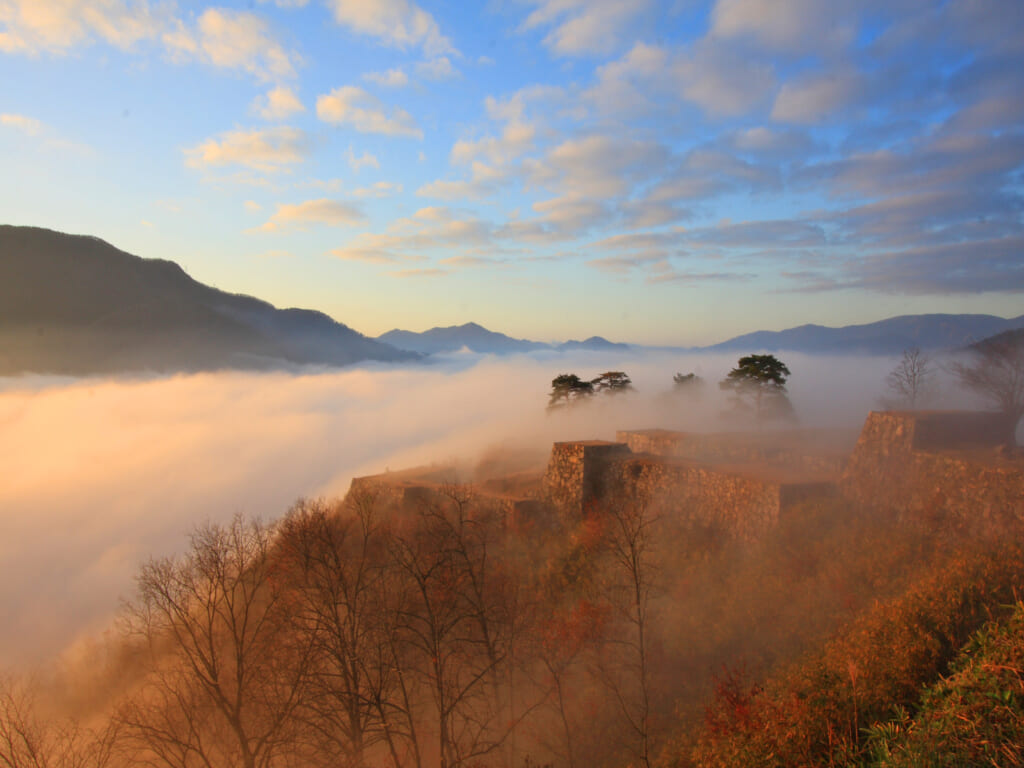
(327, 185)
(812, 99)
(392, 78)
(399, 23)
(722, 81)
(786, 26)
(252, 205)
(27, 125)
(368, 253)
(603, 166)
(351, 105)
(437, 69)
(621, 84)
(768, 142)
(570, 215)
(379, 189)
(459, 189)
(278, 104)
(365, 160)
(584, 27)
(411, 238)
(39, 132)
(232, 40)
(34, 26)
(324, 211)
(719, 78)
(492, 160)
(267, 150)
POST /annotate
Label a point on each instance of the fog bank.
(98, 475)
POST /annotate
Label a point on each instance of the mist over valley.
(534, 384)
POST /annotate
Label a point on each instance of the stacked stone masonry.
(948, 463)
(789, 447)
(942, 463)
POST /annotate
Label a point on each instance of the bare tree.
(455, 619)
(30, 740)
(566, 638)
(227, 667)
(628, 675)
(911, 380)
(358, 693)
(997, 375)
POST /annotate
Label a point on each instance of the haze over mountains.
(478, 339)
(74, 304)
(885, 337)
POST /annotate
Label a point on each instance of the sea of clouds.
(100, 474)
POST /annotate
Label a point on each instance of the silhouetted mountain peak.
(76, 304)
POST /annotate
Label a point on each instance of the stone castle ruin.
(741, 484)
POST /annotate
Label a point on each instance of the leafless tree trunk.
(456, 622)
(997, 374)
(228, 667)
(630, 545)
(911, 380)
(30, 740)
(356, 696)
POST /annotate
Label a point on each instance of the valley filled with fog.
(101, 474)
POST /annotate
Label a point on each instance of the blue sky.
(659, 172)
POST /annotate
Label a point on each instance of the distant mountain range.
(886, 337)
(478, 339)
(456, 337)
(72, 304)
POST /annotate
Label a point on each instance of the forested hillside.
(446, 634)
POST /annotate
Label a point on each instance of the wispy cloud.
(32, 27)
(379, 189)
(331, 213)
(22, 123)
(583, 27)
(279, 103)
(786, 26)
(437, 69)
(351, 105)
(399, 23)
(392, 78)
(232, 40)
(365, 160)
(268, 150)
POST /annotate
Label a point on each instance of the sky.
(652, 171)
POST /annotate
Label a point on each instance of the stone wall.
(574, 474)
(935, 462)
(819, 451)
(733, 502)
(697, 497)
(938, 463)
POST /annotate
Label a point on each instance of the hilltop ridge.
(74, 304)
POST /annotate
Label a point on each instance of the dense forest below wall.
(440, 632)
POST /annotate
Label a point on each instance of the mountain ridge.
(75, 304)
(933, 331)
(476, 338)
